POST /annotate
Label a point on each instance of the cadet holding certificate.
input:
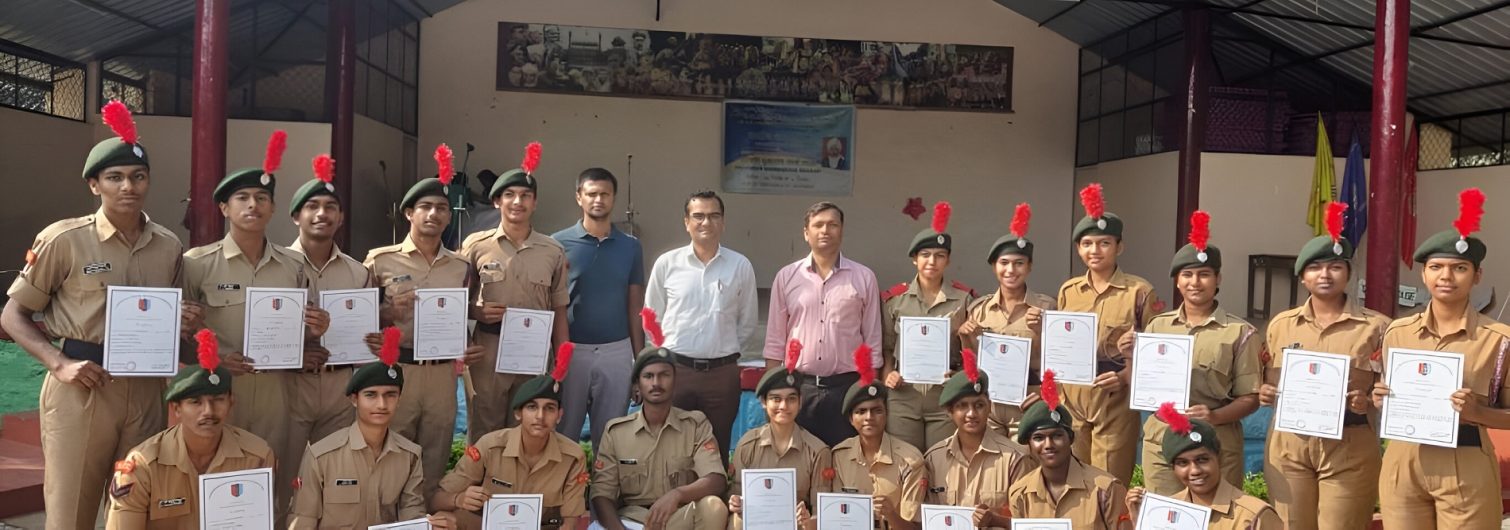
(512, 512)
(939, 517)
(274, 336)
(1161, 370)
(525, 344)
(1069, 346)
(1419, 407)
(236, 499)
(772, 493)
(417, 524)
(1163, 513)
(1312, 394)
(141, 331)
(353, 315)
(440, 324)
(1042, 524)
(1005, 362)
(840, 511)
(924, 355)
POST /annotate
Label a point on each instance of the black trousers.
(822, 407)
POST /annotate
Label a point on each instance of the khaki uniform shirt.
(1225, 364)
(341, 271)
(1234, 510)
(156, 487)
(906, 300)
(1128, 302)
(74, 260)
(993, 317)
(898, 474)
(1481, 341)
(986, 477)
(806, 454)
(1092, 498)
(497, 464)
(528, 275)
(1358, 334)
(344, 483)
(218, 275)
(401, 268)
(636, 465)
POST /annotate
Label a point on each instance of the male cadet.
(516, 267)
(1063, 487)
(218, 275)
(705, 293)
(607, 282)
(833, 305)
(658, 467)
(1106, 428)
(978, 465)
(1192, 448)
(1320, 483)
(157, 486)
(365, 474)
(1425, 486)
(90, 419)
(428, 416)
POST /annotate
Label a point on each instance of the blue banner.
(788, 148)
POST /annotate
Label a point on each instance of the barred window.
(1472, 140)
(36, 82)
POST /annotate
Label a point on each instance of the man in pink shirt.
(831, 305)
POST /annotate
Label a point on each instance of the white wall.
(41, 158)
(983, 163)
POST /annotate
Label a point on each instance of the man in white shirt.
(705, 296)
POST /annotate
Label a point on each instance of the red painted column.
(1386, 150)
(340, 83)
(1197, 22)
(207, 153)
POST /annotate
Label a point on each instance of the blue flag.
(1354, 192)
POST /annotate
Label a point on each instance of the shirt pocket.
(221, 299)
(342, 503)
(1214, 371)
(633, 479)
(679, 472)
(844, 305)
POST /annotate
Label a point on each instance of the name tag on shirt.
(346, 482)
(629, 461)
(937, 489)
(849, 490)
(96, 268)
(169, 503)
(228, 287)
(497, 482)
(401, 278)
(492, 266)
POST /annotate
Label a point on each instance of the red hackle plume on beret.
(209, 349)
(1091, 199)
(563, 361)
(531, 158)
(1178, 422)
(325, 167)
(1334, 212)
(1200, 229)
(118, 117)
(275, 146)
(652, 327)
(443, 166)
(1020, 218)
(941, 213)
(1470, 211)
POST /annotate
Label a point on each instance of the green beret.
(959, 386)
(423, 188)
(1448, 244)
(512, 177)
(1009, 244)
(112, 152)
(194, 381)
(539, 387)
(375, 374)
(648, 356)
(1188, 258)
(1108, 224)
(858, 394)
(1202, 434)
(776, 378)
(1038, 417)
(251, 177)
(310, 190)
(1322, 249)
(930, 239)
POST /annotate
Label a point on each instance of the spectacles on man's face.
(707, 217)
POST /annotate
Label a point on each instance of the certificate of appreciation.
(840, 511)
(1163, 513)
(525, 345)
(1005, 359)
(1161, 371)
(1312, 394)
(1069, 346)
(416, 524)
(353, 314)
(772, 493)
(938, 517)
(274, 328)
(512, 512)
(1419, 405)
(923, 352)
(440, 324)
(240, 500)
(1042, 524)
(141, 331)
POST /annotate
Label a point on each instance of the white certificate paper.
(353, 314)
(938, 517)
(239, 500)
(923, 349)
(141, 331)
(274, 328)
(1005, 360)
(1161, 371)
(440, 324)
(1163, 513)
(1042, 524)
(1312, 394)
(512, 512)
(1419, 405)
(841, 511)
(1069, 346)
(525, 345)
(416, 524)
(771, 493)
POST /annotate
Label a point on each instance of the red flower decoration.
(914, 208)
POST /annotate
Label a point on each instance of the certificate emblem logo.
(513, 509)
(277, 304)
(350, 304)
(1069, 326)
(236, 489)
(767, 483)
(1002, 348)
(440, 302)
(1423, 369)
(1161, 348)
(143, 304)
(526, 323)
(844, 508)
(948, 520)
(1174, 517)
(1314, 368)
(925, 331)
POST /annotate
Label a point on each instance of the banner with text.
(788, 148)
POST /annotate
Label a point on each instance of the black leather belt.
(1468, 436)
(1107, 365)
(1353, 419)
(79, 350)
(495, 328)
(843, 380)
(327, 368)
(1033, 378)
(406, 356)
(703, 365)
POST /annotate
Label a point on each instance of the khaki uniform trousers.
(83, 433)
(427, 415)
(492, 393)
(1158, 475)
(1106, 430)
(1323, 484)
(1423, 487)
(913, 415)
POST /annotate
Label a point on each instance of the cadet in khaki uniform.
(157, 486)
(516, 267)
(1423, 486)
(659, 465)
(529, 459)
(1320, 483)
(876, 462)
(1013, 310)
(1226, 370)
(428, 416)
(977, 466)
(782, 443)
(1106, 428)
(1063, 487)
(1193, 449)
(90, 419)
(913, 413)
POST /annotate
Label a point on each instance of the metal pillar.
(1391, 61)
(1197, 98)
(340, 84)
(207, 153)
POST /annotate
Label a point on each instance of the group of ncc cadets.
(353, 447)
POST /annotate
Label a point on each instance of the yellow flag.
(1322, 178)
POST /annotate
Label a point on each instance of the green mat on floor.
(20, 379)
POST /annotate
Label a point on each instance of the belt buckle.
(818, 381)
(702, 365)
